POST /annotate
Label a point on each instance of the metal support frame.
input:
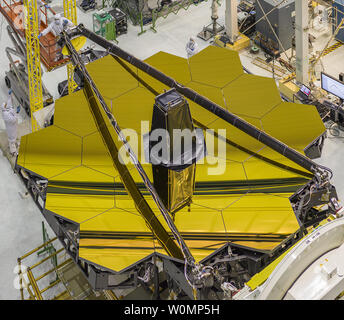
(69, 8)
(33, 60)
(308, 197)
(178, 276)
(314, 150)
(265, 16)
(17, 76)
(49, 248)
(213, 28)
(32, 287)
(164, 12)
(173, 8)
(19, 51)
(272, 29)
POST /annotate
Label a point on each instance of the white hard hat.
(57, 16)
(193, 38)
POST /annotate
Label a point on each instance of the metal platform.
(50, 52)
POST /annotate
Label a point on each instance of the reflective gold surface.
(248, 198)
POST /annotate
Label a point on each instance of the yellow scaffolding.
(69, 7)
(68, 285)
(33, 60)
(30, 283)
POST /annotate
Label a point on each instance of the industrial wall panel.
(282, 19)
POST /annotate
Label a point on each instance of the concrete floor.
(20, 229)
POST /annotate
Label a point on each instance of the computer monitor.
(305, 90)
(332, 85)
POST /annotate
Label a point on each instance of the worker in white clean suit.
(191, 47)
(57, 26)
(10, 118)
